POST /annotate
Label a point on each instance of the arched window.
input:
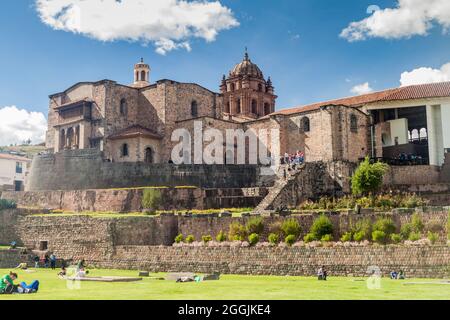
(62, 142)
(267, 109)
(260, 87)
(423, 135)
(353, 123)
(227, 108)
(137, 76)
(124, 151)
(232, 87)
(305, 125)
(123, 107)
(415, 135)
(149, 155)
(254, 107)
(194, 109)
(238, 106)
(143, 76)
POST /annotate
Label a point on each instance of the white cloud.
(169, 24)
(409, 18)
(19, 125)
(360, 89)
(425, 75)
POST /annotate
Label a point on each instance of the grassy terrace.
(228, 288)
(236, 212)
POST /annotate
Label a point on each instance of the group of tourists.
(46, 261)
(296, 158)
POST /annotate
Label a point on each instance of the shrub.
(190, 239)
(417, 223)
(291, 227)
(362, 230)
(413, 201)
(327, 238)
(237, 232)
(406, 230)
(309, 238)
(368, 177)
(221, 237)
(253, 239)
(322, 226)
(290, 239)
(206, 239)
(385, 225)
(274, 238)
(359, 236)
(366, 202)
(396, 238)
(433, 237)
(379, 237)
(179, 238)
(347, 237)
(7, 204)
(255, 225)
(414, 236)
(151, 199)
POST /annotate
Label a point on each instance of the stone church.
(134, 123)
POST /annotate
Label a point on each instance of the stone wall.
(85, 169)
(145, 243)
(423, 262)
(130, 200)
(412, 175)
(12, 258)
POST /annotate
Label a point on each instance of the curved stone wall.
(85, 169)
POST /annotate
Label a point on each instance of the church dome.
(246, 68)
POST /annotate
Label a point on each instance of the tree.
(368, 177)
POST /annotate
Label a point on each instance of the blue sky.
(296, 42)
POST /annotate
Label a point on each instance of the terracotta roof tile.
(422, 91)
(8, 156)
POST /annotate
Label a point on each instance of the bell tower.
(141, 74)
(247, 94)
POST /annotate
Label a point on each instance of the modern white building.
(13, 172)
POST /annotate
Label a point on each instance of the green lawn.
(229, 287)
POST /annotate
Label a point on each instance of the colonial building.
(13, 172)
(134, 123)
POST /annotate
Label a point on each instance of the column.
(435, 135)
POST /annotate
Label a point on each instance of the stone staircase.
(285, 174)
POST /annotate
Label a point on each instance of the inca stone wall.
(85, 169)
(130, 200)
(145, 243)
(423, 262)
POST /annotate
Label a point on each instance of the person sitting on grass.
(63, 272)
(394, 275)
(22, 266)
(322, 274)
(401, 275)
(7, 283)
(32, 288)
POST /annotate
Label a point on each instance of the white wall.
(445, 117)
(8, 172)
(399, 130)
(435, 135)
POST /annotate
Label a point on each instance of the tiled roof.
(422, 91)
(133, 132)
(8, 156)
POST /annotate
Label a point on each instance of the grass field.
(228, 288)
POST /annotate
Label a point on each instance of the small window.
(254, 107)
(353, 123)
(143, 76)
(19, 167)
(305, 125)
(149, 155)
(267, 109)
(124, 151)
(227, 108)
(123, 107)
(260, 87)
(194, 109)
(43, 245)
(238, 106)
(232, 87)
